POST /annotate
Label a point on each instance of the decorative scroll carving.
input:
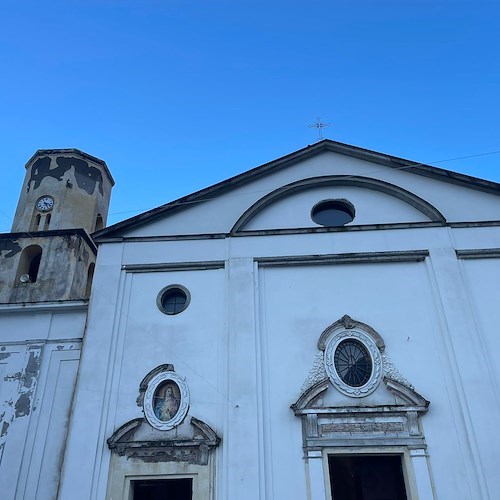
(316, 374)
(390, 371)
(346, 322)
(362, 427)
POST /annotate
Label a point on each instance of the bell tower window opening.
(29, 264)
(90, 277)
(36, 222)
(99, 223)
(47, 222)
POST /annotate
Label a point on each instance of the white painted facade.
(416, 272)
(39, 354)
(261, 296)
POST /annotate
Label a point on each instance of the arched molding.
(431, 212)
(310, 395)
(406, 394)
(347, 323)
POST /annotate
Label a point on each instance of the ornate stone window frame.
(182, 447)
(372, 350)
(364, 428)
(152, 387)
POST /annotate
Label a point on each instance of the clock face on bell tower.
(45, 203)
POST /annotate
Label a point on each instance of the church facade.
(321, 327)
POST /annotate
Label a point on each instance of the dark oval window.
(333, 213)
(353, 363)
(173, 299)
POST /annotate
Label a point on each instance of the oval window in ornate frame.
(363, 345)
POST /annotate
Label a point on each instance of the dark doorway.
(362, 477)
(163, 489)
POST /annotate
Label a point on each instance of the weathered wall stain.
(86, 176)
(73, 242)
(31, 370)
(14, 376)
(27, 378)
(23, 405)
(85, 256)
(10, 246)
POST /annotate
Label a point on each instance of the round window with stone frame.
(173, 299)
(333, 213)
(353, 362)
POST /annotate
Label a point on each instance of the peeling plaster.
(4, 355)
(86, 176)
(23, 405)
(31, 371)
(85, 256)
(26, 380)
(10, 246)
(73, 242)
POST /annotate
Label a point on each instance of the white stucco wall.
(39, 354)
(247, 341)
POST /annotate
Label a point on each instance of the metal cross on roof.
(320, 126)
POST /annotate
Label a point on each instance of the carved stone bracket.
(190, 443)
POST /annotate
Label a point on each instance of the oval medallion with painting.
(166, 401)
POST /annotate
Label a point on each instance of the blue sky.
(177, 95)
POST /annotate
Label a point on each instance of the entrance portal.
(366, 477)
(163, 489)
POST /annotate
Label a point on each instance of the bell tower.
(49, 255)
(63, 189)
(46, 269)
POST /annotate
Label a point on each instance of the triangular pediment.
(387, 189)
(190, 442)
